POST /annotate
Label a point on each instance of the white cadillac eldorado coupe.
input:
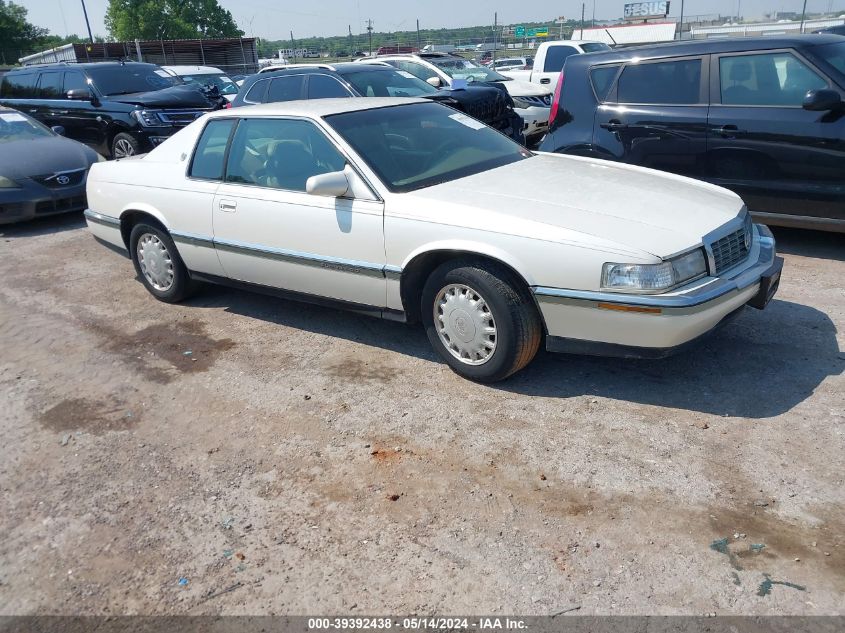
(409, 210)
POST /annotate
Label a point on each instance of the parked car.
(512, 63)
(531, 101)
(118, 108)
(834, 30)
(439, 48)
(549, 60)
(41, 172)
(761, 116)
(408, 210)
(395, 49)
(488, 104)
(206, 77)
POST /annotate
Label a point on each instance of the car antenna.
(608, 34)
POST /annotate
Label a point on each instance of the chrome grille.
(62, 179)
(731, 249)
(180, 117)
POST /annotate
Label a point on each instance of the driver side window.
(280, 154)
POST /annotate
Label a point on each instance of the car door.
(78, 117)
(781, 158)
(655, 115)
(269, 231)
(48, 105)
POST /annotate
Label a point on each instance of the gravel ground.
(280, 458)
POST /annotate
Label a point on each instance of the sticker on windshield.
(468, 121)
(406, 74)
(9, 117)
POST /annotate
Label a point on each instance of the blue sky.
(270, 18)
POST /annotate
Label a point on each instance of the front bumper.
(653, 326)
(535, 121)
(32, 200)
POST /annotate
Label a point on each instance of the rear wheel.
(480, 319)
(158, 264)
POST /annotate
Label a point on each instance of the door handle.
(545, 80)
(728, 131)
(33, 111)
(614, 126)
(228, 206)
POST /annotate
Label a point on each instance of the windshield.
(464, 69)
(833, 54)
(388, 83)
(15, 126)
(221, 81)
(423, 144)
(124, 80)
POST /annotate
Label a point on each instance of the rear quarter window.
(19, 86)
(602, 79)
(210, 154)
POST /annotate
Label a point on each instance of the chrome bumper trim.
(99, 218)
(714, 287)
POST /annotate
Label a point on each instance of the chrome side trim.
(392, 272)
(307, 259)
(704, 293)
(99, 218)
(191, 239)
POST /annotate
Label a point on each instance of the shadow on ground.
(761, 365)
(43, 226)
(816, 244)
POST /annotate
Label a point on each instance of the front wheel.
(158, 264)
(124, 145)
(480, 319)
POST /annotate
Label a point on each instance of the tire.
(473, 296)
(124, 145)
(158, 264)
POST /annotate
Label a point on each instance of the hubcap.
(155, 262)
(465, 324)
(123, 148)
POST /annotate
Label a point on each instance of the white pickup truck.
(549, 60)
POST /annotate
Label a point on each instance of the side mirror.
(822, 100)
(58, 129)
(79, 94)
(332, 185)
(434, 81)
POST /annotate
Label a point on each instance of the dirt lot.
(284, 458)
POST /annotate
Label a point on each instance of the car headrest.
(740, 71)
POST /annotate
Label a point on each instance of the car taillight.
(228, 105)
(556, 99)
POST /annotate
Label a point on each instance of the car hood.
(519, 88)
(38, 157)
(182, 96)
(568, 199)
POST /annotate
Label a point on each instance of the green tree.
(16, 33)
(169, 19)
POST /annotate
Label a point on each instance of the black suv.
(118, 108)
(490, 104)
(764, 117)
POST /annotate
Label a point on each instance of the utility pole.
(803, 15)
(681, 33)
(293, 46)
(351, 48)
(419, 44)
(594, 14)
(370, 33)
(495, 28)
(583, 5)
(88, 24)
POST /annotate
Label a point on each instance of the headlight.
(519, 102)
(147, 118)
(7, 183)
(654, 277)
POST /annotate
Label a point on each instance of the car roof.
(82, 65)
(703, 47)
(194, 70)
(315, 108)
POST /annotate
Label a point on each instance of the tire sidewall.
(179, 288)
(498, 367)
(136, 145)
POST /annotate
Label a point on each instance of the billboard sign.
(644, 10)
